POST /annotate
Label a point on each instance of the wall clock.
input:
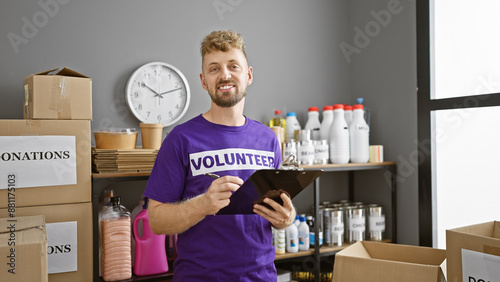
(158, 92)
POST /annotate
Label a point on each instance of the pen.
(214, 176)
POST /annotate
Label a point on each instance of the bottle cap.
(347, 108)
(357, 107)
(360, 100)
(302, 219)
(115, 201)
(328, 108)
(313, 109)
(338, 106)
(291, 114)
(277, 112)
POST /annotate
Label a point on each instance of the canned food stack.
(349, 222)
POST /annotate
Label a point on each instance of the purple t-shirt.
(220, 247)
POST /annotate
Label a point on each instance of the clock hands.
(169, 91)
(156, 93)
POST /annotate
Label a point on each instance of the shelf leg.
(316, 231)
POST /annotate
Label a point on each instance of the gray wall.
(292, 45)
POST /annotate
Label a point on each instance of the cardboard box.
(385, 262)
(23, 166)
(65, 252)
(58, 94)
(23, 248)
(473, 252)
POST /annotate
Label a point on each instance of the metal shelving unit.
(100, 181)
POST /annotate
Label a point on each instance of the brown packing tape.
(33, 123)
(60, 97)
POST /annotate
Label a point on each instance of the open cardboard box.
(23, 248)
(58, 94)
(473, 252)
(385, 262)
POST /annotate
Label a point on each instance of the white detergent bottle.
(359, 136)
(292, 239)
(326, 123)
(339, 137)
(292, 124)
(303, 234)
(313, 122)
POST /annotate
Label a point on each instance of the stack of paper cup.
(151, 135)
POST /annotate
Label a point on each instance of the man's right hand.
(218, 194)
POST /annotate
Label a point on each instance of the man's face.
(226, 76)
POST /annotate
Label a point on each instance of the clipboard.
(265, 180)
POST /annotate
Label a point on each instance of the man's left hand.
(282, 215)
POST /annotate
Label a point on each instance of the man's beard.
(227, 99)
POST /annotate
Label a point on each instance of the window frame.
(425, 107)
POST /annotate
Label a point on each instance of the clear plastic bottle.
(359, 136)
(348, 114)
(292, 238)
(313, 122)
(116, 234)
(292, 125)
(303, 234)
(339, 137)
(278, 121)
(326, 123)
(280, 241)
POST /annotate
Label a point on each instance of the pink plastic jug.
(150, 254)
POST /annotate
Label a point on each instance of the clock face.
(158, 93)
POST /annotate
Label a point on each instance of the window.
(458, 115)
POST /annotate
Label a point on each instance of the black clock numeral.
(158, 118)
(136, 95)
(139, 107)
(148, 113)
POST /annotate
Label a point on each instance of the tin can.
(334, 226)
(289, 148)
(305, 151)
(321, 152)
(356, 224)
(375, 222)
(303, 135)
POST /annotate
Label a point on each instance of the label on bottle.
(357, 224)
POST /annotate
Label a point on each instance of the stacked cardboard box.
(23, 245)
(47, 163)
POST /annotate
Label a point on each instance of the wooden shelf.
(324, 251)
(119, 174)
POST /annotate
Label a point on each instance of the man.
(222, 141)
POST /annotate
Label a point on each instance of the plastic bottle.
(348, 114)
(116, 253)
(278, 121)
(292, 239)
(326, 123)
(303, 234)
(339, 137)
(292, 125)
(359, 136)
(313, 122)
(297, 220)
(310, 223)
(150, 254)
(280, 241)
(367, 112)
